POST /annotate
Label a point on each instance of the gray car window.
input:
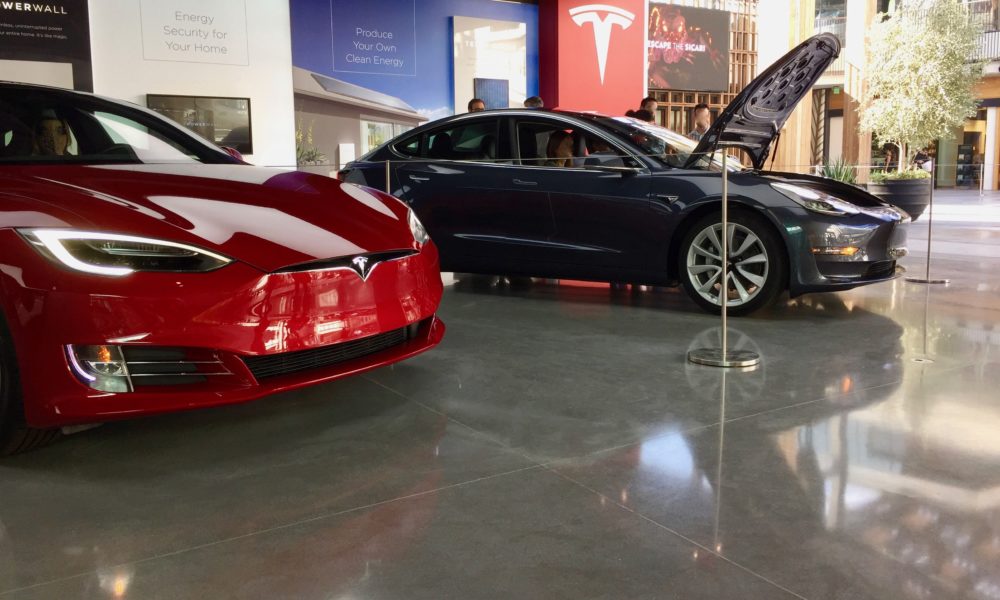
(465, 140)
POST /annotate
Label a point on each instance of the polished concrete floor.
(559, 445)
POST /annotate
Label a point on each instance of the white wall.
(774, 31)
(262, 45)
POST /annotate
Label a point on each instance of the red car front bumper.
(234, 314)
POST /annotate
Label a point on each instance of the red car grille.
(156, 366)
(275, 365)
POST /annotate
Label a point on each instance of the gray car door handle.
(523, 182)
(418, 178)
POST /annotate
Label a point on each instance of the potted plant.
(840, 170)
(920, 78)
(307, 156)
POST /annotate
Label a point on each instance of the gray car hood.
(753, 120)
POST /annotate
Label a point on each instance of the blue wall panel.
(416, 63)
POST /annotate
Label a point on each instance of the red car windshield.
(40, 126)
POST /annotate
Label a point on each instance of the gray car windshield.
(664, 145)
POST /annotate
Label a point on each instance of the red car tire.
(15, 436)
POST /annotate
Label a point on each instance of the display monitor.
(225, 121)
(688, 48)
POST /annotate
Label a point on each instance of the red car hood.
(264, 217)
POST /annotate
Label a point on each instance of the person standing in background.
(641, 114)
(534, 102)
(477, 105)
(891, 158)
(702, 118)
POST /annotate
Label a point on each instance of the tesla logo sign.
(603, 17)
(611, 29)
(361, 266)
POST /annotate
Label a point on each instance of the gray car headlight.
(417, 229)
(816, 201)
(117, 255)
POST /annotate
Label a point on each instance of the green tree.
(920, 74)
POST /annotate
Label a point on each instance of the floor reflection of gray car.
(584, 196)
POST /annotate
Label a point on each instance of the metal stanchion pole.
(388, 179)
(722, 357)
(716, 542)
(925, 357)
(982, 178)
(930, 224)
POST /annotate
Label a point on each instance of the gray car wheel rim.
(748, 264)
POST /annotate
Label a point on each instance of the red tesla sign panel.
(593, 54)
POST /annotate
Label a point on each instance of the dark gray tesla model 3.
(585, 196)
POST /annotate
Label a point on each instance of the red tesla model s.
(144, 270)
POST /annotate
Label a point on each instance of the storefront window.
(376, 133)
(960, 159)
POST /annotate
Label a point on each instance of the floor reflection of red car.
(143, 270)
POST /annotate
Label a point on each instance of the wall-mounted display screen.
(225, 121)
(688, 48)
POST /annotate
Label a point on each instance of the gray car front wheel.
(756, 265)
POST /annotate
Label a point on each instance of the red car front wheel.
(15, 435)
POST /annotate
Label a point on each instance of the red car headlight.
(118, 255)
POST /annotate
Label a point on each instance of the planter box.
(912, 195)
(318, 169)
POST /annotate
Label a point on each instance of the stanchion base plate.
(922, 280)
(714, 357)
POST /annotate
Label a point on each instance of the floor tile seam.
(276, 528)
(635, 442)
(813, 401)
(677, 534)
(683, 431)
(534, 462)
(546, 463)
(432, 410)
(769, 411)
(526, 456)
(948, 369)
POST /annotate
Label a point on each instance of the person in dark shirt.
(641, 114)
